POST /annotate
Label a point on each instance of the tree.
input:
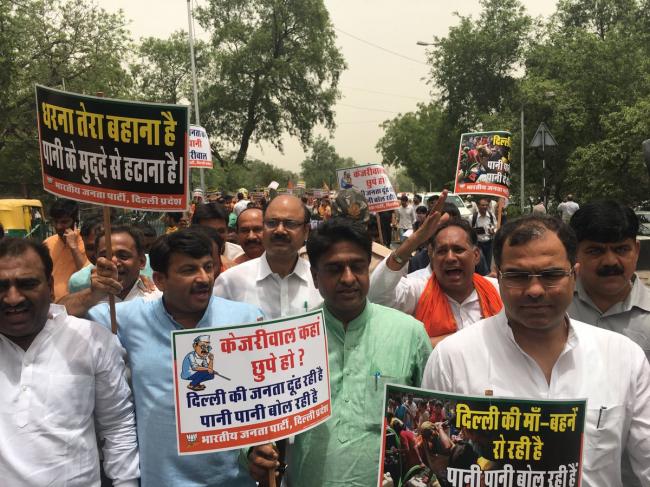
(474, 66)
(163, 71)
(614, 166)
(594, 58)
(418, 142)
(321, 165)
(52, 43)
(275, 70)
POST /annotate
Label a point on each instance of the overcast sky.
(377, 84)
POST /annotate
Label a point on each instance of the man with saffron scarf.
(446, 296)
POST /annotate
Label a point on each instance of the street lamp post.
(197, 118)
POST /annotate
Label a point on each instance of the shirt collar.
(639, 297)
(572, 337)
(300, 270)
(205, 319)
(357, 324)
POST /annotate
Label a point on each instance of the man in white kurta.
(63, 385)
(278, 282)
(531, 349)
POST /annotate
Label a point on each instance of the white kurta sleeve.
(393, 289)
(115, 415)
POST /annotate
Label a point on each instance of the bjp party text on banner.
(486, 441)
(199, 151)
(113, 152)
(484, 164)
(246, 385)
(373, 181)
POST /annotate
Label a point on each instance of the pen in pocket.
(377, 376)
(600, 415)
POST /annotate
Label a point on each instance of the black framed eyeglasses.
(521, 279)
(273, 223)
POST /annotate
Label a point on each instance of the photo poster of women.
(484, 164)
(436, 439)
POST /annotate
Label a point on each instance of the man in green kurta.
(369, 345)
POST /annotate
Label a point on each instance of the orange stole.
(434, 310)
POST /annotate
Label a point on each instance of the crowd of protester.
(539, 306)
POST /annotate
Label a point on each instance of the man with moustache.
(183, 271)
(278, 282)
(63, 385)
(123, 279)
(608, 293)
(250, 228)
(447, 295)
(533, 350)
(368, 346)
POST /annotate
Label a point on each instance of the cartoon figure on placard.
(198, 366)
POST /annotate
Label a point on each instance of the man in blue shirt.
(183, 271)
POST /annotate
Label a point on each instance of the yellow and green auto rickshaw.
(22, 218)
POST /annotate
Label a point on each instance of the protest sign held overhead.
(250, 384)
(199, 151)
(487, 441)
(484, 164)
(113, 152)
(373, 182)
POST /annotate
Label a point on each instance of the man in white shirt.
(567, 208)
(278, 282)
(242, 201)
(534, 351)
(484, 224)
(127, 262)
(250, 228)
(453, 253)
(405, 215)
(63, 382)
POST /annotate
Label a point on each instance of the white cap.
(202, 338)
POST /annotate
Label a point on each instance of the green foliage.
(252, 174)
(616, 159)
(52, 43)
(418, 142)
(585, 72)
(163, 71)
(321, 165)
(474, 65)
(275, 70)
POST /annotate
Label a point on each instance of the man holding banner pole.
(183, 271)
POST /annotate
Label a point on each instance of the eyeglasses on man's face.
(273, 223)
(522, 279)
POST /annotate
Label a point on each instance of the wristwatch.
(397, 259)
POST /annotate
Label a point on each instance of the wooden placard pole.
(271, 477)
(109, 254)
(380, 231)
(500, 204)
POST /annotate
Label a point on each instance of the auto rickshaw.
(23, 218)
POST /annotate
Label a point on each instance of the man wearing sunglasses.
(278, 282)
(533, 350)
